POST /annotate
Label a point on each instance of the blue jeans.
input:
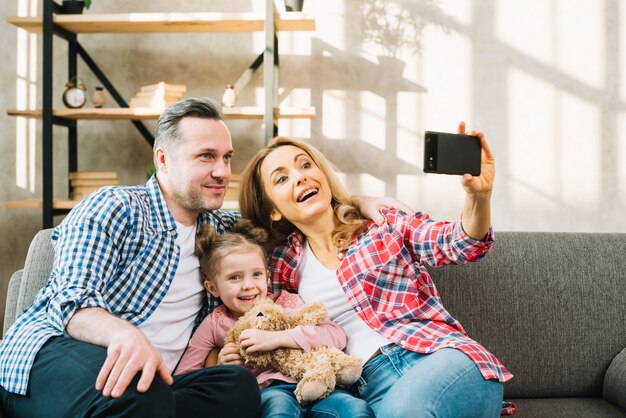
(279, 401)
(446, 383)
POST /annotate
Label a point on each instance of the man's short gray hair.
(167, 132)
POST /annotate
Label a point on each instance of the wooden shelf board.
(38, 204)
(168, 22)
(241, 112)
(69, 204)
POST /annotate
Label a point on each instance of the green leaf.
(87, 3)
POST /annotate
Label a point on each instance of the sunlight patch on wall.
(448, 98)
(298, 128)
(373, 119)
(409, 191)
(622, 54)
(534, 120)
(621, 157)
(580, 158)
(371, 185)
(578, 42)
(334, 105)
(410, 145)
(528, 32)
(26, 98)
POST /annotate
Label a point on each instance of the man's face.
(198, 168)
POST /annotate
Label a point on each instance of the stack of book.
(85, 182)
(158, 95)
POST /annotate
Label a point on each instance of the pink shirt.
(212, 331)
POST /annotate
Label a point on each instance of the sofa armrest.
(13, 292)
(614, 389)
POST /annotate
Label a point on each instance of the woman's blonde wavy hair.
(255, 205)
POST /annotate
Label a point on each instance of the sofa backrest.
(550, 306)
(37, 267)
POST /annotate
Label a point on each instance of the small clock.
(75, 94)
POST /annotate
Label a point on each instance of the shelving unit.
(69, 26)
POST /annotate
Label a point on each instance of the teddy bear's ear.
(312, 314)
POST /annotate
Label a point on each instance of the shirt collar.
(296, 239)
(164, 217)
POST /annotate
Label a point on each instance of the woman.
(418, 360)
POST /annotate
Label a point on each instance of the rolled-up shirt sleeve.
(437, 243)
(86, 261)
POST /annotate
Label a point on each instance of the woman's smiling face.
(296, 186)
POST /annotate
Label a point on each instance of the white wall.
(544, 79)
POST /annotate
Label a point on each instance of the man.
(125, 290)
(104, 335)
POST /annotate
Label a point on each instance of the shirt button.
(358, 309)
(402, 342)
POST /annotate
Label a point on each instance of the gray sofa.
(551, 306)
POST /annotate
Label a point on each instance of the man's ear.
(160, 156)
(211, 288)
(275, 215)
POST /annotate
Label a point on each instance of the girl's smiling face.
(241, 280)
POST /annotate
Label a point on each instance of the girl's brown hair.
(254, 204)
(211, 247)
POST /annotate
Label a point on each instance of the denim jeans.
(401, 383)
(279, 401)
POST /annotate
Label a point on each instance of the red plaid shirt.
(383, 275)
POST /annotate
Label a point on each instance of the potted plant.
(75, 6)
(397, 25)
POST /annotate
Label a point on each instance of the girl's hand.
(480, 185)
(230, 355)
(256, 340)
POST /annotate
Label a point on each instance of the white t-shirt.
(316, 283)
(170, 325)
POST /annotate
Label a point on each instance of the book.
(87, 189)
(84, 175)
(163, 86)
(151, 103)
(95, 182)
(153, 94)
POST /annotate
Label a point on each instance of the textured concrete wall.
(543, 79)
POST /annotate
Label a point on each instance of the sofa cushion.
(566, 408)
(550, 306)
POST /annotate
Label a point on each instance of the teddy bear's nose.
(260, 314)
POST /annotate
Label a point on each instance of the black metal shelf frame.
(75, 49)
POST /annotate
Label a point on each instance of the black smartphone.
(446, 153)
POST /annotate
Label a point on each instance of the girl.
(233, 267)
(418, 360)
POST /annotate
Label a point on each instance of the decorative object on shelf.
(99, 98)
(294, 5)
(74, 7)
(158, 95)
(75, 94)
(229, 98)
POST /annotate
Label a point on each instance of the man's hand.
(370, 207)
(127, 354)
(482, 185)
(230, 355)
(476, 217)
(128, 351)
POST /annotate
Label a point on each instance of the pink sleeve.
(198, 348)
(309, 337)
(327, 334)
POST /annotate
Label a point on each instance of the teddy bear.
(317, 371)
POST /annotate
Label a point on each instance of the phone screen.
(446, 153)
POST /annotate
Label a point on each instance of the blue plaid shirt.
(115, 250)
